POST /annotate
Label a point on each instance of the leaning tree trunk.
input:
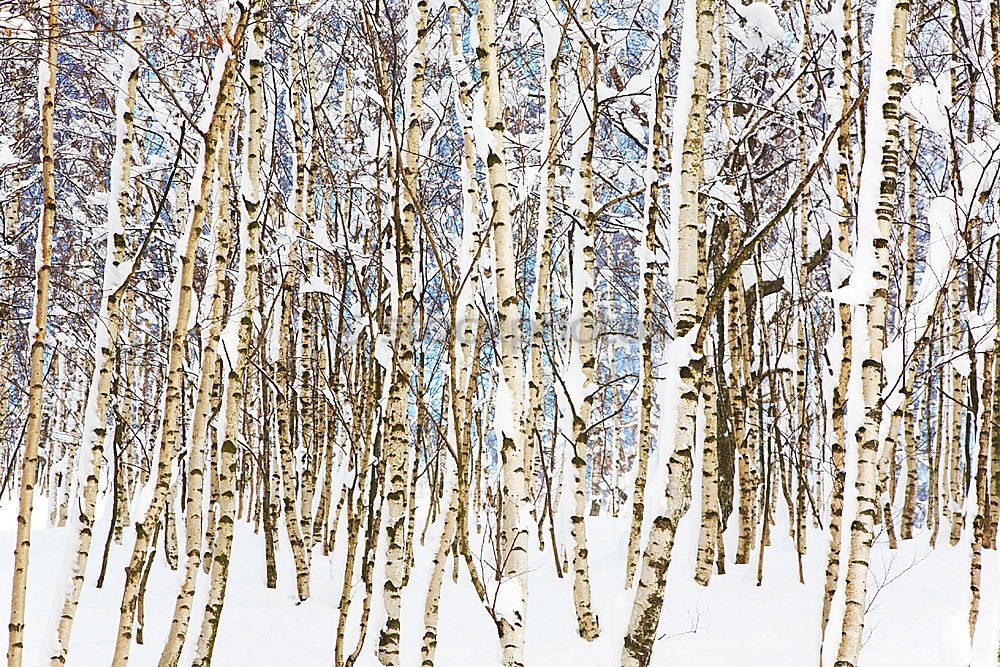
(203, 407)
(183, 288)
(106, 343)
(237, 337)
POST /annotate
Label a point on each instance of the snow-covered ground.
(917, 614)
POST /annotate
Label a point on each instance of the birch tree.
(187, 247)
(36, 333)
(876, 209)
(398, 412)
(687, 222)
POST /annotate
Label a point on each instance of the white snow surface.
(917, 615)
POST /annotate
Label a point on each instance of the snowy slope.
(917, 617)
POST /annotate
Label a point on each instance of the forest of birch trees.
(421, 304)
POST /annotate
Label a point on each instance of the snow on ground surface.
(917, 611)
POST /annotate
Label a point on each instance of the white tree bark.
(36, 334)
(108, 330)
(876, 207)
(183, 288)
(511, 603)
(687, 213)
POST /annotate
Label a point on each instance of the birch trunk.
(285, 364)
(106, 346)
(981, 492)
(739, 365)
(844, 335)
(583, 362)
(36, 334)
(688, 220)
(237, 335)
(801, 393)
(876, 207)
(203, 407)
(708, 541)
(398, 423)
(910, 444)
(956, 479)
(535, 413)
(515, 518)
(648, 267)
(182, 293)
